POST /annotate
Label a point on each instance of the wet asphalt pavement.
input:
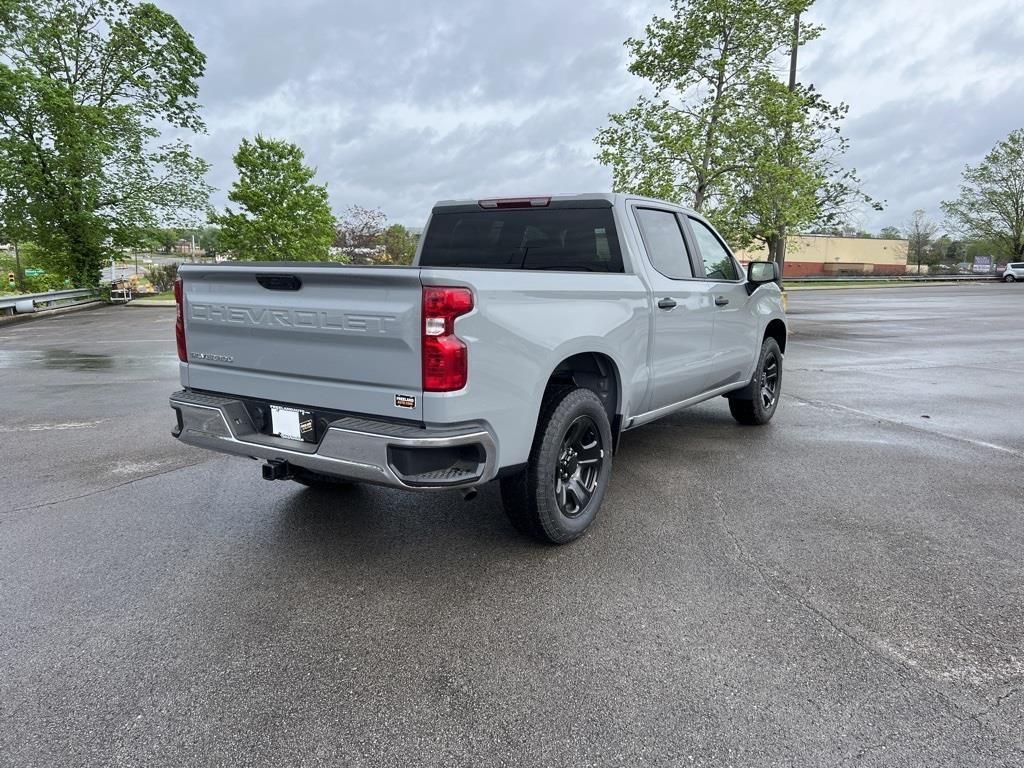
(845, 586)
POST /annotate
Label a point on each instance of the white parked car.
(1014, 272)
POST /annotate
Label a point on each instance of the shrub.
(162, 276)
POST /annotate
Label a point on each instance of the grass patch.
(165, 295)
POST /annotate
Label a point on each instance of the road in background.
(126, 270)
(120, 271)
(845, 584)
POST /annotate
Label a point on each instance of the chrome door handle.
(666, 303)
(721, 301)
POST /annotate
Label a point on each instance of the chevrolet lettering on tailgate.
(282, 317)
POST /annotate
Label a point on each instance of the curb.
(151, 303)
(797, 287)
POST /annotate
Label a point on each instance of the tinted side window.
(574, 239)
(718, 264)
(664, 242)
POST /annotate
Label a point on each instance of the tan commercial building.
(814, 255)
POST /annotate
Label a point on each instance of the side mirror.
(759, 272)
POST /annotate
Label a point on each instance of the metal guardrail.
(28, 302)
(892, 278)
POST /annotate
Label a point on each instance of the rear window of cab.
(563, 239)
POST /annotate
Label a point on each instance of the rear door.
(683, 310)
(734, 343)
(330, 336)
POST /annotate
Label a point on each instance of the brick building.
(824, 255)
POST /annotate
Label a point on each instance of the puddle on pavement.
(66, 360)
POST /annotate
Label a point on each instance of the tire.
(1010, 279)
(311, 479)
(755, 405)
(557, 497)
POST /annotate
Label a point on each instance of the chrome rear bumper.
(362, 450)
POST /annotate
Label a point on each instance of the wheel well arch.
(594, 371)
(776, 329)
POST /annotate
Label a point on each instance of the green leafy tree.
(794, 179)
(162, 276)
(723, 133)
(209, 237)
(281, 213)
(890, 233)
(990, 206)
(689, 140)
(167, 237)
(956, 252)
(84, 85)
(940, 250)
(399, 244)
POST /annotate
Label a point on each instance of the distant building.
(184, 245)
(824, 255)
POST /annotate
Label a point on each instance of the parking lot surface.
(844, 586)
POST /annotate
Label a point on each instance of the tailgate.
(331, 336)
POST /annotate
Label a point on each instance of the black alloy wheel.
(769, 380)
(558, 494)
(755, 404)
(578, 467)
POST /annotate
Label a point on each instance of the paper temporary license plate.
(292, 423)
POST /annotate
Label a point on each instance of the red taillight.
(445, 361)
(179, 323)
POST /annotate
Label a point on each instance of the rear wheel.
(558, 495)
(756, 404)
(1009, 278)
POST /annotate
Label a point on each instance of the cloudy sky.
(399, 103)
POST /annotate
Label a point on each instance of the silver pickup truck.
(525, 338)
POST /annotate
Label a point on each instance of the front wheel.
(756, 404)
(558, 495)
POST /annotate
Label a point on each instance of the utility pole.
(793, 51)
(780, 257)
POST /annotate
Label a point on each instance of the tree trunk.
(777, 250)
(780, 251)
(709, 139)
(698, 197)
(19, 276)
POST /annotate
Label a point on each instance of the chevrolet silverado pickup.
(527, 335)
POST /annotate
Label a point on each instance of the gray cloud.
(399, 103)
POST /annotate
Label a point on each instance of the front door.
(734, 341)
